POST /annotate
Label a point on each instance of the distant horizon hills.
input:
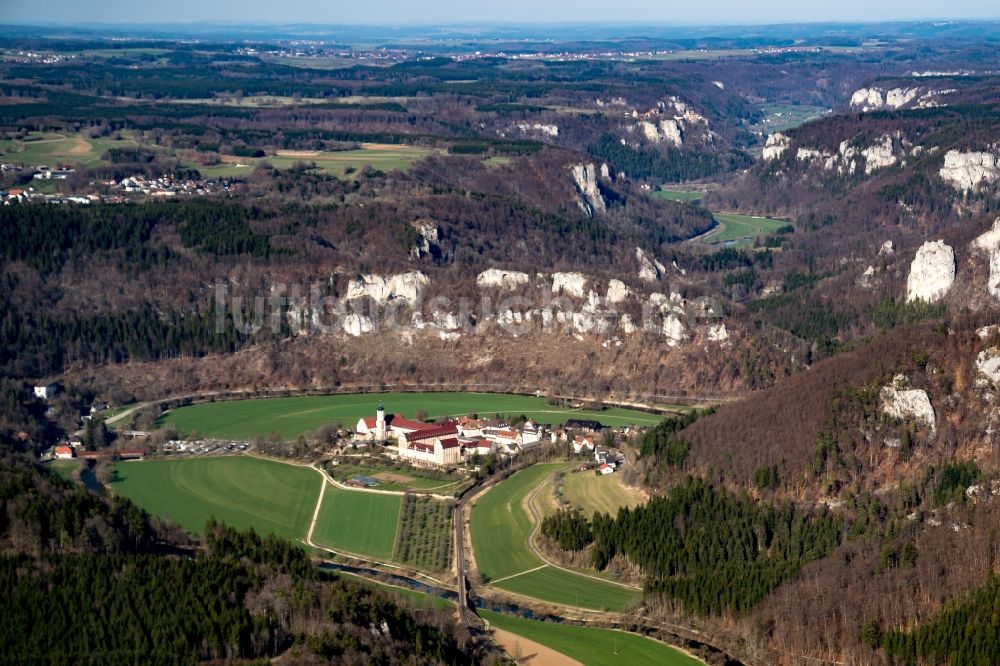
(805, 33)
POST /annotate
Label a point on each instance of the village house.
(581, 442)
(46, 392)
(65, 452)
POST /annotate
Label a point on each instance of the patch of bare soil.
(530, 652)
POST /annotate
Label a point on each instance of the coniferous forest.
(90, 581)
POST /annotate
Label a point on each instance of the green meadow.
(592, 646)
(291, 417)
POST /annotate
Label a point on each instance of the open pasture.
(501, 527)
(383, 157)
(358, 522)
(291, 417)
(241, 491)
(683, 196)
(52, 149)
(605, 493)
(592, 646)
(741, 229)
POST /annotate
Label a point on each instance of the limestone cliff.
(932, 272)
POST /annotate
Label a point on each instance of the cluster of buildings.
(166, 186)
(74, 449)
(121, 191)
(448, 442)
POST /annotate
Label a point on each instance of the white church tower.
(380, 423)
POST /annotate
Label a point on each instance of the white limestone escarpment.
(585, 179)
(966, 171)
(902, 402)
(932, 272)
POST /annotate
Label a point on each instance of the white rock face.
(966, 171)
(495, 277)
(547, 129)
(404, 286)
(887, 249)
(776, 146)
(569, 284)
(650, 269)
(428, 238)
(931, 273)
(880, 155)
(867, 99)
(988, 365)
(355, 325)
(899, 97)
(618, 292)
(668, 131)
(901, 402)
(585, 178)
(674, 331)
(717, 332)
(990, 244)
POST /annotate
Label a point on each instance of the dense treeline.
(966, 631)
(568, 528)
(86, 582)
(670, 167)
(37, 344)
(47, 237)
(712, 550)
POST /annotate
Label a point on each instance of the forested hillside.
(87, 580)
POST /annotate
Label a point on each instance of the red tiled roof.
(508, 434)
(64, 449)
(449, 443)
(429, 433)
(397, 421)
(424, 447)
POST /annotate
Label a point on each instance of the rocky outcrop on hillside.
(966, 171)
(776, 146)
(900, 401)
(382, 289)
(887, 151)
(585, 179)
(428, 239)
(669, 123)
(876, 98)
(570, 284)
(650, 269)
(990, 244)
(988, 365)
(495, 277)
(546, 129)
(932, 272)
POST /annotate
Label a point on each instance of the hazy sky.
(512, 11)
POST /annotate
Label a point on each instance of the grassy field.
(291, 417)
(591, 646)
(64, 468)
(240, 491)
(362, 523)
(741, 229)
(684, 196)
(569, 589)
(53, 149)
(500, 526)
(391, 477)
(781, 117)
(378, 156)
(599, 493)
(500, 529)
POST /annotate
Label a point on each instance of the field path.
(319, 504)
(536, 522)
